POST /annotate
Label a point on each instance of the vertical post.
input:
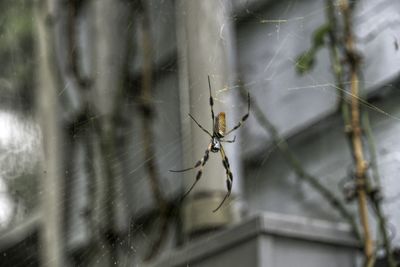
(49, 114)
(203, 45)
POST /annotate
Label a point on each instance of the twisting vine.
(147, 109)
(355, 132)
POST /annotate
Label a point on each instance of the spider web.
(268, 39)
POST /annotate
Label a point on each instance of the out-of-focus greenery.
(18, 154)
(16, 53)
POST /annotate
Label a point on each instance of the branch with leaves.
(364, 189)
(342, 49)
(296, 165)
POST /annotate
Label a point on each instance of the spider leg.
(243, 118)
(200, 164)
(211, 101)
(229, 177)
(229, 141)
(201, 127)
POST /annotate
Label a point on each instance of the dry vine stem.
(148, 112)
(356, 134)
(338, 71)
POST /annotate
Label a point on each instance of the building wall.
(303, 108)
(268, 37)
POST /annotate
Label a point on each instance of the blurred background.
(95, 97)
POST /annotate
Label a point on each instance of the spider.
(217, 138)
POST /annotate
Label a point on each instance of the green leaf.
(319, 35)
(305, 61)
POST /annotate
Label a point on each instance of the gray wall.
(302, 106)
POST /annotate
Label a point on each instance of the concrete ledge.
(20, 232)
(264, 226)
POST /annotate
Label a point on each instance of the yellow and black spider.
(217, 137)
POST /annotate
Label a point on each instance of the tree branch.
(295, 164)
(353, 60)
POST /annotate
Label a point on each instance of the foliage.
(19, 157)
(305, 61)
(16, 50)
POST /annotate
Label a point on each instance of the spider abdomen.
(220, 125)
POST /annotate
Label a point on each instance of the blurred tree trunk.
(52, 176)
(110, 33)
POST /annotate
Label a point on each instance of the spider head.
(215, 144)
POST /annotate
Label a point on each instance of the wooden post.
(49, 114)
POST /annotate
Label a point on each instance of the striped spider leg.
(217, 138)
